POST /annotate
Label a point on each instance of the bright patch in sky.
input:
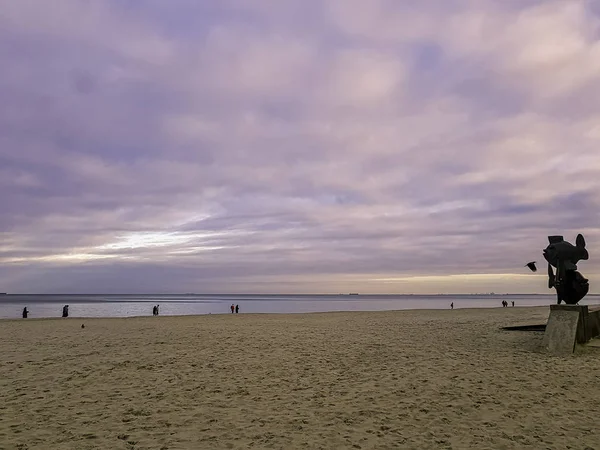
(146, 240)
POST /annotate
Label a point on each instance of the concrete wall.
(589, 321)
(592, 324)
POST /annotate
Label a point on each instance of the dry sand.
(406, 379)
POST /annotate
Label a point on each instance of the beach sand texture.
(371, 380)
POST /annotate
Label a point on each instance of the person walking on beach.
(513, 303)
(25, 312)
(154, 311)
(65, 311)
(237, 309)
(232, 308)
(157, 306)
(452, 305)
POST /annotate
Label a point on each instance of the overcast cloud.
(295, 145)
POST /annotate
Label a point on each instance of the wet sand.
(372, 380)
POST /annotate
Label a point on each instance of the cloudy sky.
(297, 146)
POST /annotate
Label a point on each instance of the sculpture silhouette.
(571, 286)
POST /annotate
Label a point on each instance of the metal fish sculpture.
(571, 286)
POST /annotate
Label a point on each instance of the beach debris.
(536, 327)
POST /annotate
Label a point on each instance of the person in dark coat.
(237, 309)
(25, 312)
(65, 312)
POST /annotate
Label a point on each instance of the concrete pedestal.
(569, 325)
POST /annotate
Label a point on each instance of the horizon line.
(350, 294)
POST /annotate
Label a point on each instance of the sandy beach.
(357, 380)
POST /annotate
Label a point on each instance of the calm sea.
(11, 306)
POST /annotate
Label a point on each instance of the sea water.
(42, 306)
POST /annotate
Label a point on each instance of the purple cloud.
(294, 146)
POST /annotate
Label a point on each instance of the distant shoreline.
(115, 306)
(274, 314)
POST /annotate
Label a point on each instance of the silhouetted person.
(232, 308)
(237, 309)
(513, 303)
(82, 326)
(25, 312)
(452, 305)
(154, 310)
(65, 311)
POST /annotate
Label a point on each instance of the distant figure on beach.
(237, 309)
(452, 305)
(25, 312)
(513, 303)
(65, 311)
(154, 311)
(82, 326)
(157, 311)
(232, 308)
